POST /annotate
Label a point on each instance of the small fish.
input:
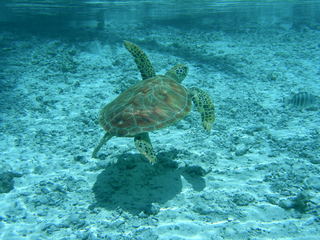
(302, 99)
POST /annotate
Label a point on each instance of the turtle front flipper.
(144, 146)
(141, 60)
(204, 105)
(103, 140)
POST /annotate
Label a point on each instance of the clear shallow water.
(256, 176)
(63, 11)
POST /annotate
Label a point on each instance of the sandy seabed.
(255, 176)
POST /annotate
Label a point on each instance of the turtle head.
(178, 72)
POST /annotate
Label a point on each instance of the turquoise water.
(253, 173)
(195, 13)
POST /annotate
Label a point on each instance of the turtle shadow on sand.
(133, 185)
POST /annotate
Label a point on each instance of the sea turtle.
(153, 103)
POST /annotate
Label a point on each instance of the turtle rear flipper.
(103, 140)
(204, 105)
(144, 146)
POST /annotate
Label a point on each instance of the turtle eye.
(180, 71)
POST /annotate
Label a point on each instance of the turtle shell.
(149, 105)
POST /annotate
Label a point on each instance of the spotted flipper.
(141, 60)
(144, 146)
(103, 140)
(205, 107)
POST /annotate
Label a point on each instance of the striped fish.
(302, 99)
